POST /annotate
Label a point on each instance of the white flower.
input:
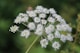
(54, 15)
(43, 21)
(21, 18)
(31, 25)
(52, 11)
(62, 21)
(42, 15)
(59, 27)
(24, 18)
(31, 14)
(22, 15)
(14, 28)
(49, 29)
(69, 37)
(50, 37)
(51, 19)
(63, 38)
(66, 27)
(57, 16)
(69, 29)
(25, 33)
(45, 10)
(17, 20)
(39, 7)
(40, 26)
(56, 45)
(36, 19)
(57, 34)
(38, 32)
(38, 11)
(44, 43)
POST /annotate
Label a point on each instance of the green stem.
(76, 37)
(32, 44)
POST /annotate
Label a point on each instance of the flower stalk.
(32, 44)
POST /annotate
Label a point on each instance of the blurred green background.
(13, 43)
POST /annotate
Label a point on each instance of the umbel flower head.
(45, 23)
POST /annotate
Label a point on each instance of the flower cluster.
(45, 23)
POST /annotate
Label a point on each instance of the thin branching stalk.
(76, 37)
(32, 44)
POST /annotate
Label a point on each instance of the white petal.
(31, 26)
(25, 33)
(14, 28)
(56, 45)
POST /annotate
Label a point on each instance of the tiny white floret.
(52, 11)
(56, 45)
(50, 37)
(43, 21)
(44, 43)
(37, 19)
(42, 15)
(14, 28)
(51, 19)
(31, 25)
(25, 33)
